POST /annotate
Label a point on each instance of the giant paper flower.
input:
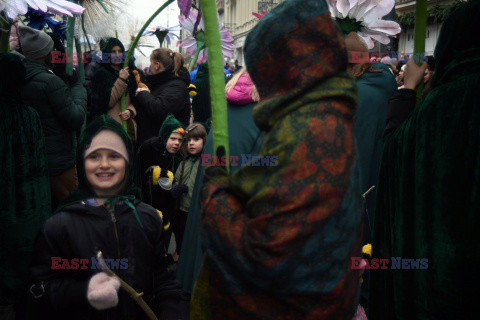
(163, 33)
(365, 18)
(185, 6)
(15, 7)
(38, 20)
(101, 18)
(197, 40)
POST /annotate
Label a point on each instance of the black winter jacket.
(154, 153)
(169, 94)
(62, 112)
(79, 231)
(400, 106)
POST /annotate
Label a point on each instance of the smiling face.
(105, 171)
(195, 145)
(174, 142)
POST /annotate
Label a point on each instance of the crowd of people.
(111, 169)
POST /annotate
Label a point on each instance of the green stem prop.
(69, 49)
(134, 44)
(85, 33)
(419, 39)
(81, 66)
(103, 5)
(217, 77)
(5, 37)
(200, 47)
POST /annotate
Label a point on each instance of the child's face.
(174, 142)
(195, 145)
(105, 171)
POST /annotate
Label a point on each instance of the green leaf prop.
(419, 39)
(81, 65)
(5, 34)
(200, 37)
(217, 77)
(69, 49)
(134, 44)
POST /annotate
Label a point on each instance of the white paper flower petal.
(343, 6)
(367, 39)
(389, 27)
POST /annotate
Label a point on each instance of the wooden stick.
(134, 294)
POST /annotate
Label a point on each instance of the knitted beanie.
(169, 126)
(35, 44)
(107, 139)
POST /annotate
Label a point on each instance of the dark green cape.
(374, 91)
(24, 181)
(201, 104)
(429, 193)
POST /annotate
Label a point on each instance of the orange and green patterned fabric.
(278, 239)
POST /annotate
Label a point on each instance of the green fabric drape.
(24, 181)
(201, 104)
(428, 200)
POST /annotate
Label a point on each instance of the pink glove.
(102, 291)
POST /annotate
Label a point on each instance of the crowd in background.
(114, 164)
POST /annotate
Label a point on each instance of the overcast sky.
(143, 9)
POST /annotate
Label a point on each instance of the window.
(266, 5)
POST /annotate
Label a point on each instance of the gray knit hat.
(35, 44)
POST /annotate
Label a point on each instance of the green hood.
(84, 190)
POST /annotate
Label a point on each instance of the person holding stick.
(105, 215)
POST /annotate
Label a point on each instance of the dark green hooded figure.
(108, 88)
(24, 182)
(428, 200)
(124, 229)
(201, 103)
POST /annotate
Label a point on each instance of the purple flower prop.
(192, 39)
(185, 6)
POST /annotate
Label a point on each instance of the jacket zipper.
(114, 220)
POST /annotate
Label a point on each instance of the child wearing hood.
(159, 159)
(105, 215)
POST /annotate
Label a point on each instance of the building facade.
(238, 18)
(405, 38)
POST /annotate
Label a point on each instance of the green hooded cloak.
(428, 199)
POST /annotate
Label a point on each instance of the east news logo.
(76, 263)
(396, 263)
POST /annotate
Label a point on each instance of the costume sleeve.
(118, 90)
(400, 105)
(158, 107)
(61, 292)
(70, 106)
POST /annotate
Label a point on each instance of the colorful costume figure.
(428, 200)
(278, 239)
